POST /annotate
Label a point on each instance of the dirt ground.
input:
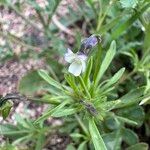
(13, 70)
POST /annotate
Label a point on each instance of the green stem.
(100, 13)
(84, 87)
(102, 17)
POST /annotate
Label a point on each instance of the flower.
(78, 62)
(89, 43)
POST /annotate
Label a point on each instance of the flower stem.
(84, 87)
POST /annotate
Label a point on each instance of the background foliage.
(107, 107)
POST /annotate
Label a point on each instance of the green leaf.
(91, 4)
(96, 137)
(88, 71)
(7, 129)
(126, 120)
(50, 112)
(31, 83)
(24, 122)
(106, 62)
(11, 130)
(21, 121)
(114, 79)
(50, 80)
(145, 101)
(110, 24)
(84, 87)
(109, 105)
(112, 140)
(64, 112)
(5, 109)
(133, 113)
(82, 146)
(112, 123)
(129, 136)
(127, 23)
(147, 35)
(40, 142)
(77, 135)
(129, 3)
(118, 138)
(71, 81)
(131, 98)
(139, 146)
(97, 61)
(70, 147)
(8, 146)
(47, 98)
(23, 138)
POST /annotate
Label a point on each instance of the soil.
(12, 70)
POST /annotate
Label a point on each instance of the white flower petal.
(75, 68)
(69, 51)
(69, 56)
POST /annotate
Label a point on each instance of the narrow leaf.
(114, 79)
(77, 135)
(127, 23)
(109, 105)
(71, 81)
(88, 71)
(40, 142)
(110, 24)
(84, 87)
(23, 138)
(50, 80)
(131, 98)
(50, 112)
(145, 100)
(126, 120)
(96, 137)
(138, 146)
(64, 112)
(82, 146)
(106, 62)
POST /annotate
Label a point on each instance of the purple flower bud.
(89, 43)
